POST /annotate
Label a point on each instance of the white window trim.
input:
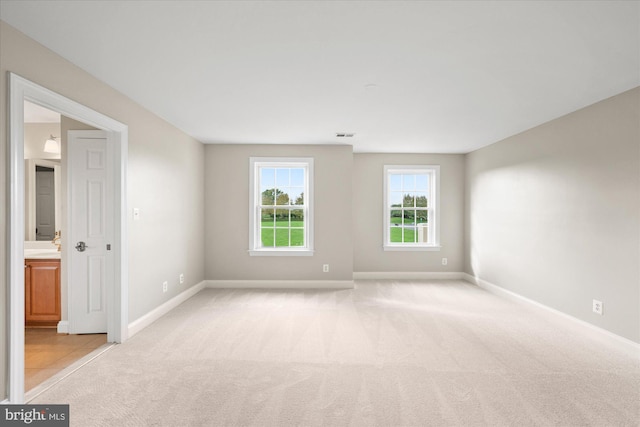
(435, 200)
(254, 203)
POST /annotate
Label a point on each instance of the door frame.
(20, 90)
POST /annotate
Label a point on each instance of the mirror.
(42, 169)
(42, 199)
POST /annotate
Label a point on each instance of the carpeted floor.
(384, 354)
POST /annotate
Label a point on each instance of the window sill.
(281, 252)
(411, 248)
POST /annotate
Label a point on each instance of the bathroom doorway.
(48, 348)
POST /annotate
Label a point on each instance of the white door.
(90, 183)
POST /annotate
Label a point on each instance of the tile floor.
(47, 352)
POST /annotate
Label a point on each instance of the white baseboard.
(406, 275)
(280, 284)
(63, 327)
(614, 339)
(144, 321)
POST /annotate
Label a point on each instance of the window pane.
(282, 177)
(297, 237)
(423, 235)
(395, 182)
(410, 235)
(297, 177)
(267, 197)
(408, 200)
(409, 231)
(395, 234)
(408, 217)
(422, 182)
(297, 218)
(282, 198)
(421, 200)
(395, 199)
(297, 196)
(421, 216)
(267, 217)
(266, 237)
(282, 236)
(267, 177)
(408, 182)
(395, 226)
(282, 218)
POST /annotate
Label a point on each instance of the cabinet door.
(42, 292)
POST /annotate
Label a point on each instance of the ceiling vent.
(344, 135)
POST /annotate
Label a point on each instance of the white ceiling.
(403, 76)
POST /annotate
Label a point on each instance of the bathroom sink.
(41, 254)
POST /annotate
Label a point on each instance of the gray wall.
(368, 179)
(165, 179)
(227, 215)
(553, 214)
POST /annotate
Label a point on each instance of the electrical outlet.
(444, 261)
(181, 278)
(165, 286)
(325, 268)
(597, 307)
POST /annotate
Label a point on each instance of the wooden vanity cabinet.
(42, 292)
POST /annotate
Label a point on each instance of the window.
(411, 207)
(281, 218)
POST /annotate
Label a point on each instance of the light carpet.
(388, 353)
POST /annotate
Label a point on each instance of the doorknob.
(80, 247)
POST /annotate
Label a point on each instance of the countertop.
(41, 254)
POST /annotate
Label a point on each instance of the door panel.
(95, 207)
(90, 169)
(95, 284)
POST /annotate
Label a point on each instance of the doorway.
(21, 90)
(49, 349)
